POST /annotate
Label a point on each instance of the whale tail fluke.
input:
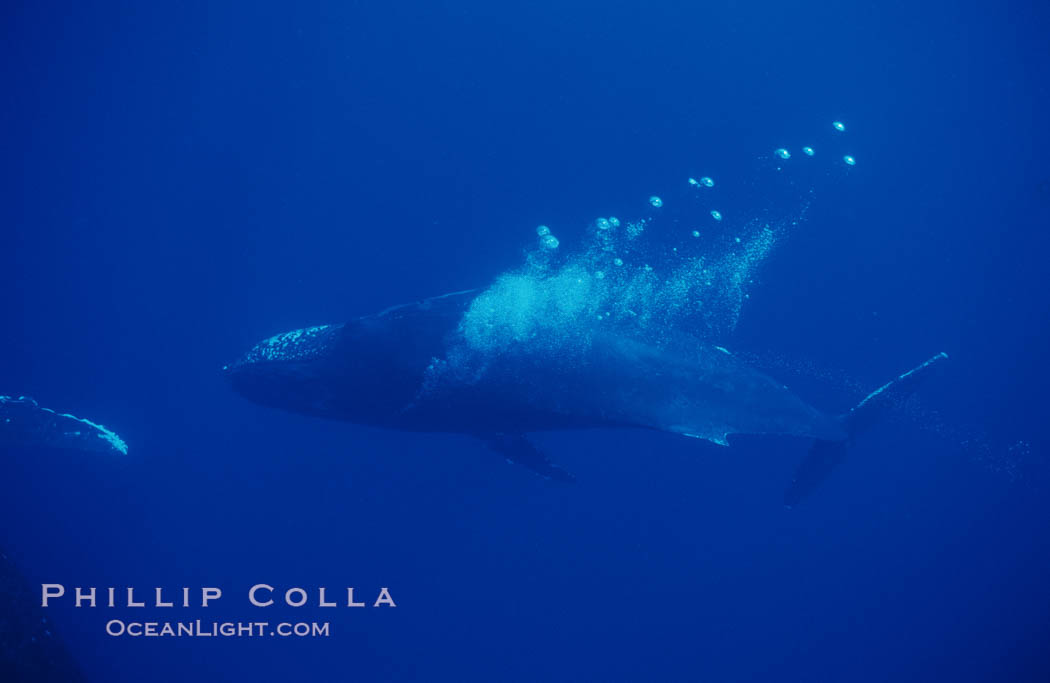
(824, 456)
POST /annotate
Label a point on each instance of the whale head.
(368, 370)
(286, 370)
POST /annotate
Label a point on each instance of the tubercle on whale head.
(365, 370)
(279, 365)
(298, 345)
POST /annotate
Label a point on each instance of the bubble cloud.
(650, 278)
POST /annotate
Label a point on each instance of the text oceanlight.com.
(228, 629)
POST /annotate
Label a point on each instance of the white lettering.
(81, 596)
(260, 586)
(297, 591)
(132, 603)
(51, 590)
(160, 600)
(384, 599)
(209, 594)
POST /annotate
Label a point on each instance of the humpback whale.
(29, 651)
(23, 422)
(412, 367)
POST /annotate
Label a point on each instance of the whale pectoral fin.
(516, 448)
(24, 423)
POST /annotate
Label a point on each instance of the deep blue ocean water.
(181, 181)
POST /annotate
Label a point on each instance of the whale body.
(408, 368)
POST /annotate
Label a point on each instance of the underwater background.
(179, 182)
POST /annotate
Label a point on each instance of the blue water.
(179, 182)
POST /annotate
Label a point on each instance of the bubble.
(850, 161)
(641, 283)
(808, 151)
(782, 153)
(838, 125)
(543, 231)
